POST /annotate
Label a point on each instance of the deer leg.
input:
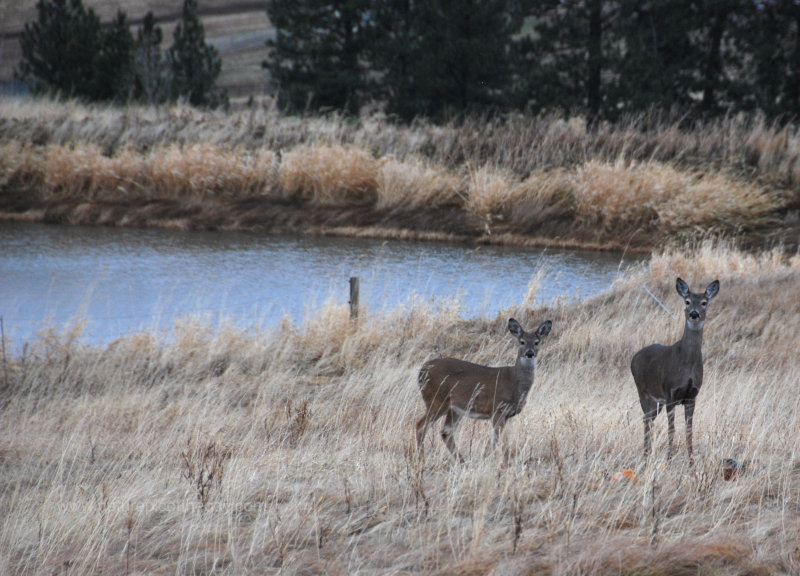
(498, 423)
(423, 424)
(650, 414)
(670, 428)
(450, 424)
(648, 432)
(688, 413)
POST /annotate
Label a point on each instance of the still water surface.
(126, 280)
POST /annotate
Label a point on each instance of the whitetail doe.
(667, 376)
(456, 388)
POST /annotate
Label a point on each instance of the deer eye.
(688, 302)
(703, 303)
(522, 342)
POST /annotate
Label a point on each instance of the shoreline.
(451, 226)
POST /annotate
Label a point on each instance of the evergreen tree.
(394, 54)
(459, 60)
(113, 68)
(565, 61)
(194, 65)
(59, 50)
(149, 63)
(315, 59)
(772, 37)
(689, 55)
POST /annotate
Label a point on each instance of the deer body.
(668, 376)
(456, 388)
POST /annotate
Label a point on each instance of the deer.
(668, 376)
(456, 388)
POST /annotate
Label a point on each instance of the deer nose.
(529, 353)
(694, 315)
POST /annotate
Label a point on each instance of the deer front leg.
(688, 413)
(670, 429)
(648, 434)
(651, 410)
(498, 423)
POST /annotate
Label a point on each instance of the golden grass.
(312, 426)
(329, 176)
(517, 180)
(658, 196)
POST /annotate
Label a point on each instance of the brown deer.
(456, 388)
(667, 376)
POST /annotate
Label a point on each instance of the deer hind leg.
(451, 421)
(423, 424)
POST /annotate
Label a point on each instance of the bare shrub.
(203, 466)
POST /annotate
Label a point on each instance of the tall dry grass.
(312, 426)
(637, 183)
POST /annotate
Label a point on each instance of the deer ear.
(682, 288)
(544, 329)
(712, 289)
(515, 328)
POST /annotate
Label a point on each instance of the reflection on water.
(123, 280)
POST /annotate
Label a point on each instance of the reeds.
(315, 423)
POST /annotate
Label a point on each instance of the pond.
(122, 280)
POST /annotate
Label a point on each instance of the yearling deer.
(456, 388)
(666, 376)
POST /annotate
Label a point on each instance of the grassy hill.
(238, 30)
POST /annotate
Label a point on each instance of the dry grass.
(315, 425)
(638, 183)
(329, 176)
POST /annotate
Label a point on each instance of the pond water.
(120, 280)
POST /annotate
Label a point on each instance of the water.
(121, 281)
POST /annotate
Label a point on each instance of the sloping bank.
(344, 190)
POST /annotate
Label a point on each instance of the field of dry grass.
(290, 451)
(520, 180)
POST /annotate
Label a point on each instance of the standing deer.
(456, 388)
(666, 376)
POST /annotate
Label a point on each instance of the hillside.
(238, 30)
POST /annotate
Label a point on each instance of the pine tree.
(566, 61)
(113, 67)
(394, 54)
(194, 65)
(315, 59)
(59, 50)
(149, 63)
(462, 57)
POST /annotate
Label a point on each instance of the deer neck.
(690, 344)
(523, 373)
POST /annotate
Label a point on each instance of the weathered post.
(5, 362)
(354, 289)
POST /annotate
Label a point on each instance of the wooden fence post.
(354, 296)
(5, 362)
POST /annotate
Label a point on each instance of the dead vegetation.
(518, 180)
(313, 428)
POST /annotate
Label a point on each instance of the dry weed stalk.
(203, 465)
(298, 421)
